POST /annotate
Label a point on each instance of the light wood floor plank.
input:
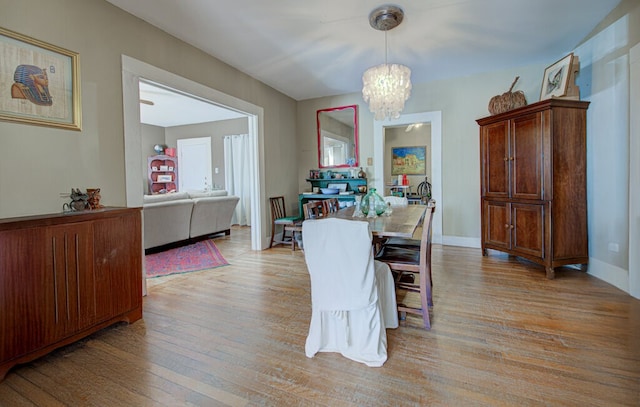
(502, 335)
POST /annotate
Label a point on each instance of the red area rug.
(202, 255)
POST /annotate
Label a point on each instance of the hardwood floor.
(502, 334)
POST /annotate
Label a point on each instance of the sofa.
(179, 216)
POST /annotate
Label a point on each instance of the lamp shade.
(385, 88)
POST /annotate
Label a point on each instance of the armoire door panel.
(528, 229)
(526, 157)
(495, 139)
(497, 220)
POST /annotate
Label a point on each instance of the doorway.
(132, 72)
(435, 120)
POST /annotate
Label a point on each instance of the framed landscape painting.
(409, 160)
(39, 82)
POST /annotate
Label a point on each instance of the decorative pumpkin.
(507, 101)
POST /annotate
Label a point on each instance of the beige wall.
(215, 130)
(604, 81)
(43, 162)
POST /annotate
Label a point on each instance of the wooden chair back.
(278, 209)
(313, 210)
(396, 200)
(279, 217)
(331, 205)
(410, 261)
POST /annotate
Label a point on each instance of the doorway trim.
(134, 70)
(634, 171)
(435, 118)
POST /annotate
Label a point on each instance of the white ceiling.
(172, 108)
(312, 49)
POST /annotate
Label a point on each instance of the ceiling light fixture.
(413, 126)
(386, 87)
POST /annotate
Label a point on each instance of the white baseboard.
(608, 273)
(473, 242)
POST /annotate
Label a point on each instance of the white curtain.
(240, 159)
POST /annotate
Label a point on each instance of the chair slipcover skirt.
(353, 296)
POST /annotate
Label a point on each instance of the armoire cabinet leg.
(551, 274)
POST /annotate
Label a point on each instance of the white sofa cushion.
(171, 196)
(212, 214)
(206, 194)
(166, 222)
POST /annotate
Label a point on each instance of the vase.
(378, 203)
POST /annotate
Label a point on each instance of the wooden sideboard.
(65, 276)
(534, 182)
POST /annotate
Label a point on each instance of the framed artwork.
(555, 80)
(39, 82)
(409, 160)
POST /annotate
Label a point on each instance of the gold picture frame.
(556, 78)
(39, 83)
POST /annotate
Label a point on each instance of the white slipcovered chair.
(353, 297)
(396, 200)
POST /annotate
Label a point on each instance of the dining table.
(402, 222)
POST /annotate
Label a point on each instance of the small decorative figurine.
(79, 201)
(94, 198)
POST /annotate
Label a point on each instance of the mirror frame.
(355, 135)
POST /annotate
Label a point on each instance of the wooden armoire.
(534, 183)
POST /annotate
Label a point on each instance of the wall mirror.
(338, 137)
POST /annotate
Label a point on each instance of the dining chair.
(279, 218)
(403, 261)
(331, 205)
(409, 243)
(352, 296)
(310, 210)
(313, 210)
(396, 200)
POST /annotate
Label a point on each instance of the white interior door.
(194, 163)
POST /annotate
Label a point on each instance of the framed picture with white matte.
(555, 80)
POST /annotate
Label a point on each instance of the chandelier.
(386, 87)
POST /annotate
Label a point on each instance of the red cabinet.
(162, 174)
